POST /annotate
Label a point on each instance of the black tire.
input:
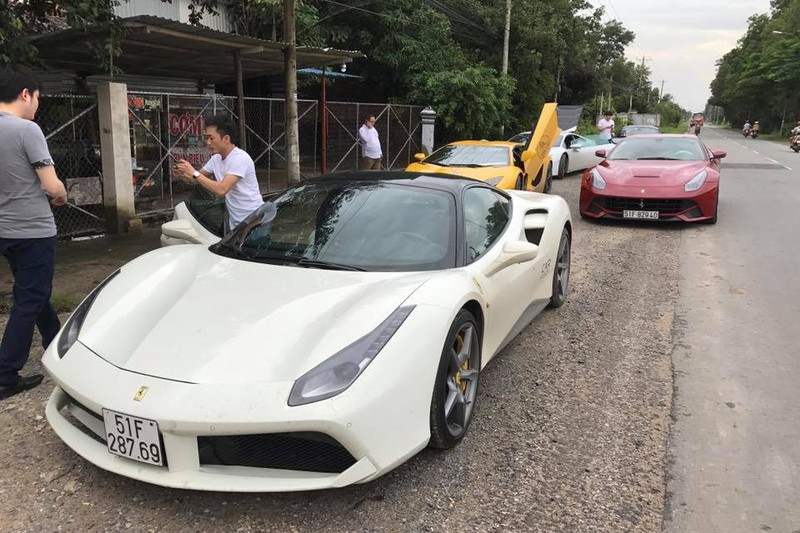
(563, 166)
(456, 386)
(561, 271)
(520, 185)
(796, 148)
(548, 181)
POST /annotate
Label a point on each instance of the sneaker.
(24, 383)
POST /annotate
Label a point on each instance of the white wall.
(178, 10)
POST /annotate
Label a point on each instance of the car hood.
(650, 173)
(479, 173)
(184, 313)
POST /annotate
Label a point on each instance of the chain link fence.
(167, 127)
(71, 127)
(399, 129)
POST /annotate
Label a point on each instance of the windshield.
(350, 225)
(659, 148)
(638, 130)
(466, 155)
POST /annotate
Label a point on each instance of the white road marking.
(756, 152)
(787, 168)
(776, 162)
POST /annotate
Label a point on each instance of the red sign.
(186, 123)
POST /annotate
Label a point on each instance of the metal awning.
(155, 46)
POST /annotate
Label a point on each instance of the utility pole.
(506, 39)
(290, 94)
(661, 94)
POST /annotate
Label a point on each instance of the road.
(572, 431)
(735, 442)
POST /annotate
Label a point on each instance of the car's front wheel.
(561, 271)
(548, 183)
(520, 185)
(456, 387)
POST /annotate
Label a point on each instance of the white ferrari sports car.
(570, 152)
(336, 332)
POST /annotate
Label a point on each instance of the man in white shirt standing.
(230, 172)
(370, 145)
(606, 126)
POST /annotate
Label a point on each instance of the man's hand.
(59, 200)
(184, 169)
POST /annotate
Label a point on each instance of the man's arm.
(52, 185)
(220, 188)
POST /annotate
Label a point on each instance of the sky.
(681, 40)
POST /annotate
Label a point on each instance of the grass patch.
(62, 302)
(674, 129)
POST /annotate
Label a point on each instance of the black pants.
(32, 264)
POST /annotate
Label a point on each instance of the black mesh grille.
(308, 452)
(663, 206)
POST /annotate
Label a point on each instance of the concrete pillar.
(428, 116)
(115, 147)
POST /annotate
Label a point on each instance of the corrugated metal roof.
(157, 46)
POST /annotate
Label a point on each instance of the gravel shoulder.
(569, 433)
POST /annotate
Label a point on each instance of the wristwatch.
(196, 174)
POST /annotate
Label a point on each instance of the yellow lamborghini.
(504, 164)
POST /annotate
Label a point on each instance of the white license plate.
(133, 437)
(639, 214)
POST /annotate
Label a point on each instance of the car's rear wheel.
(520, 185)
(561, 271)
(563, 165)
(456, 387)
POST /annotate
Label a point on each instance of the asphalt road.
(572, 427)
(734, 454)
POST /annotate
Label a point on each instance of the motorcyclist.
(756, 127)
(746, 128)
(795, 134)
(796, 131)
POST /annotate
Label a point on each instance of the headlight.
(597, 180)
(696, 182)
(494, 181)
(338, 372)
(70, 331)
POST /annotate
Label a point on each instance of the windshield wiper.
(228, 250)
(658, 159)
(317, 263)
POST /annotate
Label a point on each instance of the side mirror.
(513, 252)
(718, 154)
(419, 157)
(577, 145)
(600, 153)
(179, 232)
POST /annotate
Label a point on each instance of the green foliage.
(471, 103)
(758, 79)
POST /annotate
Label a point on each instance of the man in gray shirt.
(27, 227)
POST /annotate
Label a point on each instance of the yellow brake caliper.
(459, 345)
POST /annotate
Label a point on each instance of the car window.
(469, 155)
(208, 209)
(368, 225)
(659, 148)
(485, 218)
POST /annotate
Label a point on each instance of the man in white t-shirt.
(606, 127)
(230, 172)
(370, 145)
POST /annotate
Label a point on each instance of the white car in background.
(570, 152)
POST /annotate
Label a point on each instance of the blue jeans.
(32, 264)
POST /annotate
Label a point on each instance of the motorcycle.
(754, 134)
(697, 129)
(794, 143)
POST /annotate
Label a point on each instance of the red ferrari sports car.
(654, 177)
